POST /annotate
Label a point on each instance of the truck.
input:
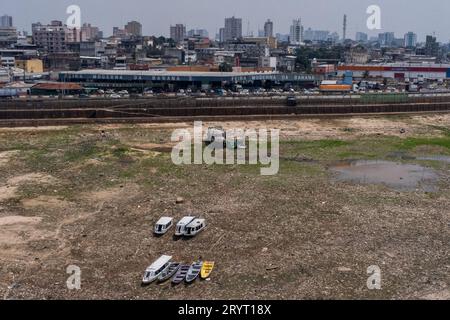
(8, 93)
(337, 88)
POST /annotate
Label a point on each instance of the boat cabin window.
(160, 269)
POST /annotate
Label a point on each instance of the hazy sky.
(400, 16)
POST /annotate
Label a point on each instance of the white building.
(296, 34)
(268, 62)
(410, 40)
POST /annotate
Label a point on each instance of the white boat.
(158, 267)
(195, 227)
(181, 225)
(163, 225)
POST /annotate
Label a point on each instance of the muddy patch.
(45, 202)
(6, 156)
(438, 158)
(162, 148)
(7, 192)
(18, 229)
(401, 155)
(397, 176)
(32, 178)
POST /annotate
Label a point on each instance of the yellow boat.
(207, 268)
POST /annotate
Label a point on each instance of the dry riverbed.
(89, 196)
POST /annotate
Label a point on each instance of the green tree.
(225, 67)
(306, 54)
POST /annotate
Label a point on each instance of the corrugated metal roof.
(164, 73)
(58, 86)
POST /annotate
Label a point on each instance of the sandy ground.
(301, 235)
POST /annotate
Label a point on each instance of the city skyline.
(399, 17)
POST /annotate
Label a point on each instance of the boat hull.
(181, 274)
(194, 272)
(173, 269)
(207, 269)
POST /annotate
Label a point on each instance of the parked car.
(291, 101)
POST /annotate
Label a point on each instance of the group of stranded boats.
(163, 270)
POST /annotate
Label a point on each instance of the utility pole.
(344, 33)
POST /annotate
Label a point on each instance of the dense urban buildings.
(203, 33)
(386, 38)
(55, 47)
(90, 33)
(315, 35)
(361, 37)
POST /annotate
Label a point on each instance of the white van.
(163, 225)
(181, 225)
(153, 272)
(195, 227)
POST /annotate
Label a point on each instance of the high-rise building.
(51, 38)
(386, 38)
(296, 34)
(134, 28)
(361, 37)
(344, 31)
(120, 33)
(203, 33)
(410, 40)
(8, 36)
(282, 37)
(315, 35)
(268, 29)
(178, 32)
(233, 28)
(222, 35)
(6, 21)
(431, 46)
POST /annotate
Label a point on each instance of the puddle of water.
(398, 176)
